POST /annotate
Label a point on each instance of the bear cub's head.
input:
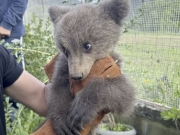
(87, 32)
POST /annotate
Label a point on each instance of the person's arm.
(20, 85)
(13, 15)
(29, 91)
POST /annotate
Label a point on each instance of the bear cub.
(84, 34)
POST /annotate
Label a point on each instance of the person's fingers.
(4, 31)
(1, 36)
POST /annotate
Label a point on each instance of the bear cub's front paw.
(81, 113)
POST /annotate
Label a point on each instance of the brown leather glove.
(103, 68)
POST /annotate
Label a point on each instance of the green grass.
(153, 63)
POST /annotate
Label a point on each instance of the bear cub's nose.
(76, 76)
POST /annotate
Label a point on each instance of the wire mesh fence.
(150, 46)
(151, 49)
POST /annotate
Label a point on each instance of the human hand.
(4, 32)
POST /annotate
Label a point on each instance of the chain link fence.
(150, 46)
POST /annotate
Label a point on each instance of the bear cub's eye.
(87, 46)
(65, 51)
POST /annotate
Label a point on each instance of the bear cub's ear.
(57, 12)
(116, 9)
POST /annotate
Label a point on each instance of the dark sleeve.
(11, 70)
(14, 14)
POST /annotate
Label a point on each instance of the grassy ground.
(153, 63)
